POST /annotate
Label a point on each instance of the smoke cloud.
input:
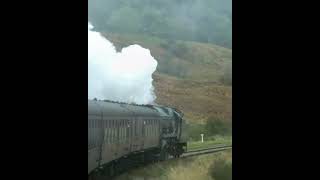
(124, 76)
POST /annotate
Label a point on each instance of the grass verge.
(209, 142)
(215, 166)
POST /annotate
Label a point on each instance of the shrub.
(221, 170)
(218, 127)
(194, 130)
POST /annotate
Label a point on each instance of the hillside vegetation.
(208, 21)
(189, 75)
(197, 100)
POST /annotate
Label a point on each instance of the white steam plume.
(124, 76)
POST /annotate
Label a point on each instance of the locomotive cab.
(182, 135)
(174, 140)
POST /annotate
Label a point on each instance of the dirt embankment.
(197, 100)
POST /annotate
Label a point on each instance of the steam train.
(120, 132)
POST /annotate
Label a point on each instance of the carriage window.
(92, 135)
(106, 133)
(127, 130)
(89, 138)
(117, 130)
(106, 122)
(94, 139)
(154, 127)
(124, 130)
(113, 130)
(131, 129)
(110, 137)
(121, 125)
(147, 127)
(109, 131)
(120, 131)
(135, 128)
(92, 123)
(138, 128)
(151, 127)
(157, 126)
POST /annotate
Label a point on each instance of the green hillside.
(181, 59)
(188, 75)
(207, 21)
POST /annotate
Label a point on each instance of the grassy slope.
(204, 62)
(197, 100)
(199, 95)
(199, 167)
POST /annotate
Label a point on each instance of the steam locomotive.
(120, 132)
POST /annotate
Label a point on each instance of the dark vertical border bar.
(45, 117)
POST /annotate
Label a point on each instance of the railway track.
(205, 151)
